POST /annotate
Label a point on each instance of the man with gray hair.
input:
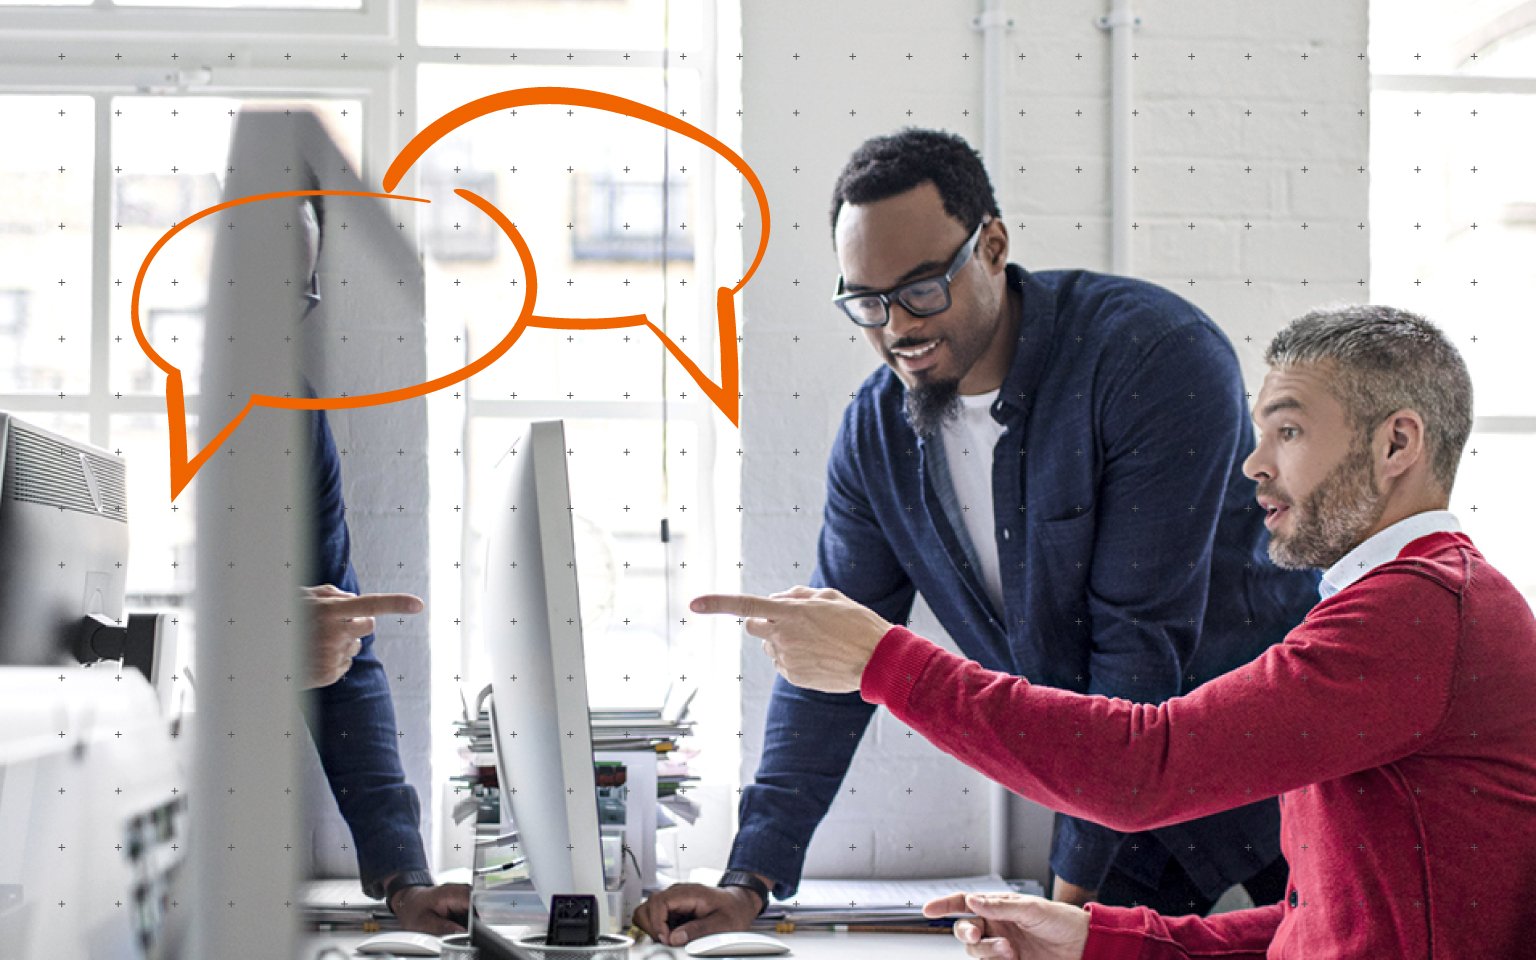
(1395, 723)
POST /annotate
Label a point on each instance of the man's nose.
(902, 323)
(1257, 466)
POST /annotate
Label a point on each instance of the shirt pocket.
(1063, 560)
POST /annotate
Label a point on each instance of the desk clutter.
(636, 758)
(641, 775)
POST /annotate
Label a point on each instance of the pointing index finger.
(740, 604)
(945, 906)
(373, 604)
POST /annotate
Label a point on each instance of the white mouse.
(735, 944)
(402, 943)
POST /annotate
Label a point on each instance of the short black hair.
(894, 163)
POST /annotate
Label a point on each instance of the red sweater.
(1397, 724)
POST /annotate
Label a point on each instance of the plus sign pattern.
(1251, 171)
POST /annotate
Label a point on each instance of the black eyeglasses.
(921, 298)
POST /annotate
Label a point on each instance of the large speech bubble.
(725, 394)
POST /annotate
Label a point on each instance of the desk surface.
(802, 945)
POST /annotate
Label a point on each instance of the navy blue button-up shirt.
(1133, 558)
(352, 721)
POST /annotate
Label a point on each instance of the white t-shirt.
(969, 440)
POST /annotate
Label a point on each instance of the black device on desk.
(572, 921)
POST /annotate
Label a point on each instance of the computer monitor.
(531, 632)
(63, 541)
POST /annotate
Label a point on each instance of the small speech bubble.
(724, 395)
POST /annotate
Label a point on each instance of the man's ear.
(1401, 440)
(995, 245)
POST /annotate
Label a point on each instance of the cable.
(666, 297)
(634, 860)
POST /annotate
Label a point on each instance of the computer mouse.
(735, 944)
(402, 943)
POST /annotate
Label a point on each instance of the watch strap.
(742, 878)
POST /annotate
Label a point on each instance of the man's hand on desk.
(818, 639)
(1015, 926)
(688, 911)
(436, 910)
(1064, 892)
(338, 623)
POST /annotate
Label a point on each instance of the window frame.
(370, 55)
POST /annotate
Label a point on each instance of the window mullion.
(101, 265)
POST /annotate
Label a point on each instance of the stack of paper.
(883, 902)
(342, 903)
(657, 728)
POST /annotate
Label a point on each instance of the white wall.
(1276, 198)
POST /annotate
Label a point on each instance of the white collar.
(1382, 546)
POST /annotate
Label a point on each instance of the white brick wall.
(1247, 253)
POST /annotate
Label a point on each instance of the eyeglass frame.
(840, 296)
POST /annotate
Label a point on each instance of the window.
(1453, 228)
(622, 220)
(128, 138)
(44, 239)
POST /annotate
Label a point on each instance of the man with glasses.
(1054, 461)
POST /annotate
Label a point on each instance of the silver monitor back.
(532, 634)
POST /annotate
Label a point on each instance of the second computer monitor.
(532, 634)
(63, 541)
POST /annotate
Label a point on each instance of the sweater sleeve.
(1363, 681)
(1124, 933)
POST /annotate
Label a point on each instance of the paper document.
(346, 893)
(342, 903)
(881, 895)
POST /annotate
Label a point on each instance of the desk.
(816, 945)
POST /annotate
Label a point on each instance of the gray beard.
(1334, 518)
(931, 405)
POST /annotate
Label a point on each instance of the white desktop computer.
(92, 795)
(531, 631)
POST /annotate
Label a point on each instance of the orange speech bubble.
(725, 394)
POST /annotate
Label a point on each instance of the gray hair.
(1387, 359)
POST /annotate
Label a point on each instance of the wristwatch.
(406, 878)
(741, 878)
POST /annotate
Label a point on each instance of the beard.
(931, 405)
(1333, 518)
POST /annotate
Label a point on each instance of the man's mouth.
(919, 357)
(1273, 510)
